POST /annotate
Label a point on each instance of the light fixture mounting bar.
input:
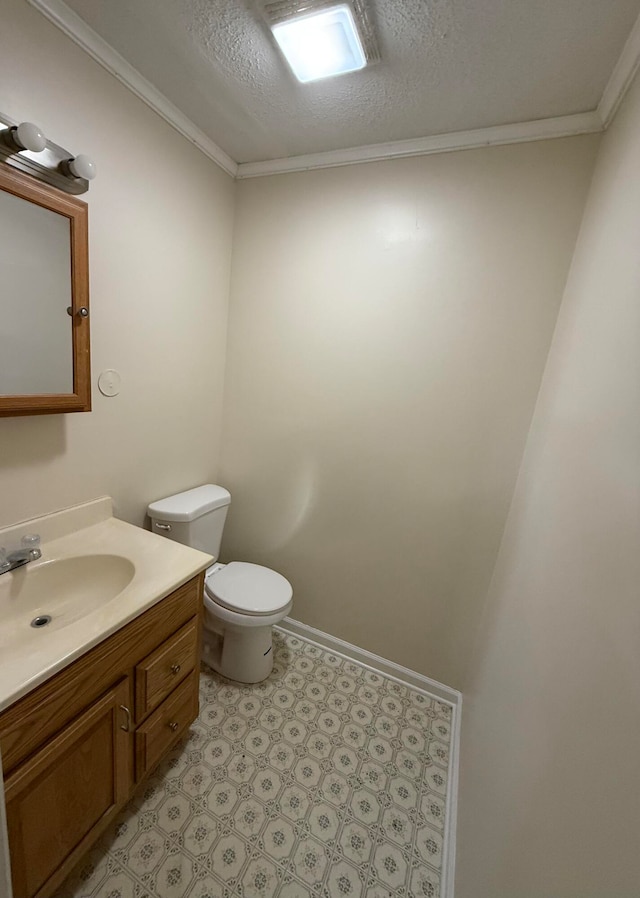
(278, 11)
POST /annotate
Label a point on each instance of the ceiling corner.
(74, 27)
(621, 77)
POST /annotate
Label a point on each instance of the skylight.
(321, 44)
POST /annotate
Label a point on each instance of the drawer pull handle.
(175, 668)
(127, 726)
(173, 727)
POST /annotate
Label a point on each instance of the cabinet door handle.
(175, 668)
(173, 726)
(127, 726)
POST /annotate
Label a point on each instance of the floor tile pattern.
(326, 780)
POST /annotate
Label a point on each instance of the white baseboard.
(423, 684)
(374, 662)
(449, 853)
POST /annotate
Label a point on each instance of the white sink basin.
(54, 594)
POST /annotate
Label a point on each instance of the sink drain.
(41, 621)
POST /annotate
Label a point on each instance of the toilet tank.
(195, 517)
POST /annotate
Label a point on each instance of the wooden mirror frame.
(27, 188)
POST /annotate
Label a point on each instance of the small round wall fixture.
(82, 166)
(27, 136)
(109, 382)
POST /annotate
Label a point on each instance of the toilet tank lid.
(191, 504)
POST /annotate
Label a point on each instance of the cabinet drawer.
(161, 671)
(166, 724)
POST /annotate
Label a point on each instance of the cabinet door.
(67, 792)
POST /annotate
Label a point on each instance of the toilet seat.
(248, 588)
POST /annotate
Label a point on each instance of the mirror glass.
(45, 357)
(36, 333)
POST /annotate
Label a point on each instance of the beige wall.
(550, 801)
(388, 332)
(161, 217)
(390, 326)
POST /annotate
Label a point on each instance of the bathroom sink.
(96, 575)
(53, 594)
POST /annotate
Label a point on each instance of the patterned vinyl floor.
(326, 780)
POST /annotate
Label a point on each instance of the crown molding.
(79, 32)
(520, 132)
(543, 129)
(621, 77)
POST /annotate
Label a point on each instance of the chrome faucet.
(30, 551)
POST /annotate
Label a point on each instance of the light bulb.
(83, 167)
(29, 137)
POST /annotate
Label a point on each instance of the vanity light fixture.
(24, 147)
(320, 39)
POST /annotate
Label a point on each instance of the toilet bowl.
(242, 601)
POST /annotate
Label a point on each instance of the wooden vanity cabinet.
(75, 747)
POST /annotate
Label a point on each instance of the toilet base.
(242, 654)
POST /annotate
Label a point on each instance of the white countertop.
(161, 565)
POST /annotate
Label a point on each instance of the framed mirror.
(44, 298)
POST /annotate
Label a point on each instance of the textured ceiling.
(447, 65)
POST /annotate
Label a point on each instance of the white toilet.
(242, 601)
